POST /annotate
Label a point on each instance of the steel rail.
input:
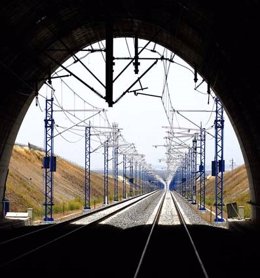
(68, 221)
(189, 236)
(183, 223)
(63, 235)
(155, 221)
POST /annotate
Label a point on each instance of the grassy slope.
(235, 189)
(25, 187)
(25, 184)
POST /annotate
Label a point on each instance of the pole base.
(86, 209)
(220, 220)
(48, 220)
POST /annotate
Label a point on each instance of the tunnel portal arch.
(208, 36)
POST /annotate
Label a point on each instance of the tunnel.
(217, 38)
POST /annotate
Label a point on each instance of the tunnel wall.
(219, 40)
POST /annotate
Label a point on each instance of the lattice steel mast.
(87, 167)
(202, 165)
(131, 174)
(124, 176)
(115, 160)
(106, 159)
(219, 164)
(194, 169)
(49, 161)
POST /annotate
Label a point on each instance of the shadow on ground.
(106, 251)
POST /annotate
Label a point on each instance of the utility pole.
(202, 193)
(140, 179)
(131, 174)
(186, 175)
(49, 161)
(124, 176)
(218, 165)
(135, 177)
(87, 167)
(189, 175)
(194, 169)
(106, 159)
(115, 159)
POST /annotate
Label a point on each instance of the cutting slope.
(25, 184)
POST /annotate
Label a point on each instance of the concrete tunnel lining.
(201, 34)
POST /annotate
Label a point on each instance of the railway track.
(145, 268)
(66, 247)
(16, 249)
